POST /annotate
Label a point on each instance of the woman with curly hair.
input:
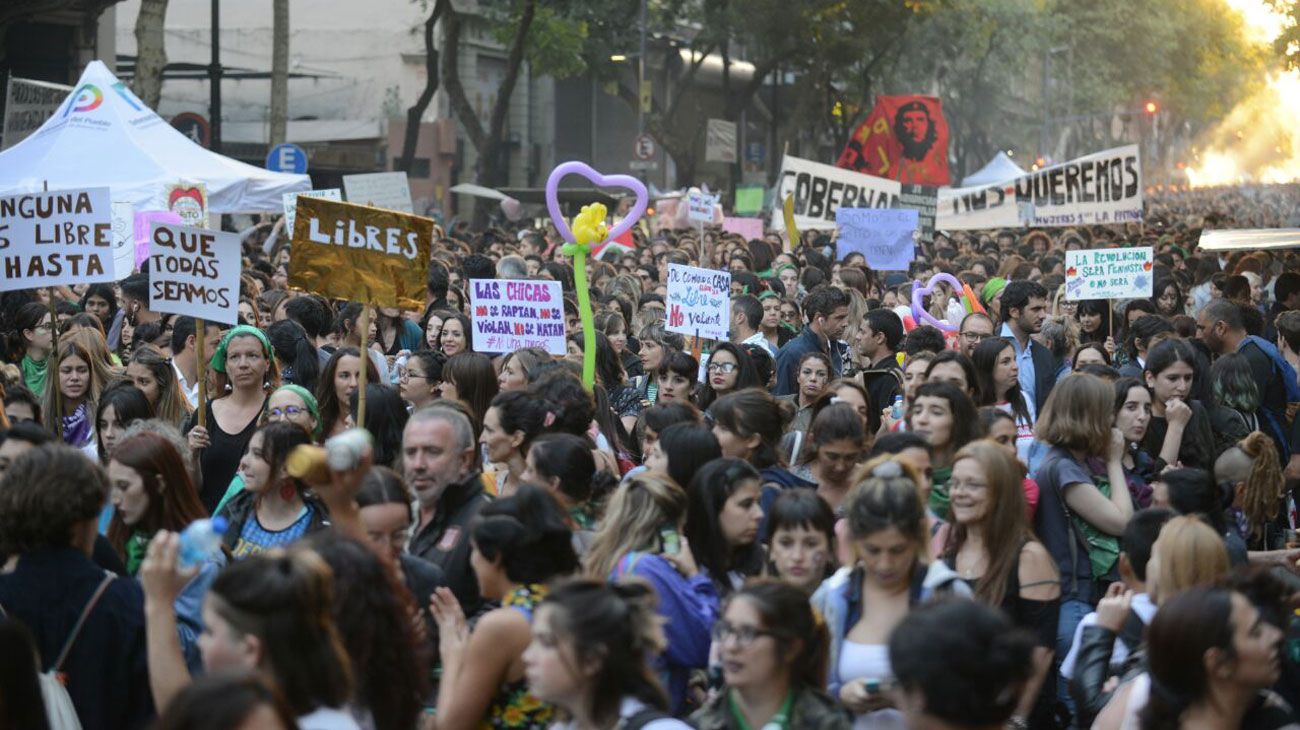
(373, 611)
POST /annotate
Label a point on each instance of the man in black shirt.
(441, 465)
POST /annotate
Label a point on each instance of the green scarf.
(34, 374)
(939, 497)
(136, 545)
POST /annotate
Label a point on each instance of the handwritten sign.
(883, 235)
(1109, 273)
(389, 190)
(55, 238)
(359, 253)
(699, 301)
(510, 314)
(699, 207)
(291, 202)
(124, 262)
(750, 228)
(195, 272)
(190, 202)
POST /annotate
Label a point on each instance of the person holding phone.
(642, 537)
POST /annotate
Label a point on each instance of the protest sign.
(290, 201)
(189, 201)
(749, 199)
(750, 228)
(359, 253)
(389, 190)
(194, 272)
(924, 199)
(1110, 273)
(1104, 187)
(884, 237)
(55, 238)
(143, 227)
(699, 301)
(124, 262)
(819, 190)
(27, 105)
(510, 314)
(977, 207)
(699, 207)
(720, 141)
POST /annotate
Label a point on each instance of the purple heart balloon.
(601, 181)
(919, 315)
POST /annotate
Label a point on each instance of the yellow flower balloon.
(589, 226)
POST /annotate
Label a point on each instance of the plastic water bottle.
(896, 411)
(201, 541)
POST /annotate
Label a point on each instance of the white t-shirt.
(630, 707)
(328, 718)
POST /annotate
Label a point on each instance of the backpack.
(59, 710)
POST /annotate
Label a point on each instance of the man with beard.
(1024, 309)
(440, 460)
(915, 130)
(827, 310)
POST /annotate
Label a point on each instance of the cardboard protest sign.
(884, 237)
(55, 238)
(819, 190)
(360, 254)
(389, 190)
(905, 138)
(27, 105)
(750, 228)
(1110, 273)
(290, 201)
(699, 207)
(190, 202)
(699, 301)
(194, 272)
(509, 314)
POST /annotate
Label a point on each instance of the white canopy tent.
(1254, 239)
(999, 170)
(103, 135)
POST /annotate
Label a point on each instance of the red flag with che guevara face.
(905, 138)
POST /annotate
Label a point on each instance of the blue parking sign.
(287, 157)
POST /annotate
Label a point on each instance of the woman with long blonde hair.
(642, 536)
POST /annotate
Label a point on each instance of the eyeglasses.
(744, 635)
(288, 411)
(955, 485)
(976, 336)
(722, 367)
(407, 375)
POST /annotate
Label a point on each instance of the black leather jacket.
(1092, 669)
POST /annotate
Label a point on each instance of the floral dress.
(513, 706)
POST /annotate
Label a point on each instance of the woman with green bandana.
(246, 373)
(150, 490)
(292, 403)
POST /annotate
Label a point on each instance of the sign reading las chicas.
(195, 272)
(56, 238)
(510, 314)
(360, 253)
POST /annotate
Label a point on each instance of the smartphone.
(670, 542)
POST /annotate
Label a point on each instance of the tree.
(279, 71)
(415, 114)
(151, 51)
(1287, 43)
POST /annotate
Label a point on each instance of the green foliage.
(1287, 43)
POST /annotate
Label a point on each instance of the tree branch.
(460, 103)
(415, 113)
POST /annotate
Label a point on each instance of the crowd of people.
(1045, 513)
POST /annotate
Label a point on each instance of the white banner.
(819, 190)
(974, 208)
(194, 272)
(720, 141)
(511, 314)
(27, 105)
(1104, 187)
(56, 238)
(291, 203)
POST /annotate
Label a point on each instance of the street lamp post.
(214, 79)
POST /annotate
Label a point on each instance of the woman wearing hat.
(246, 373)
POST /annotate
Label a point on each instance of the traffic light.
(1151, 107)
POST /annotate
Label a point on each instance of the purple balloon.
(601, 181)
(919, 315)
